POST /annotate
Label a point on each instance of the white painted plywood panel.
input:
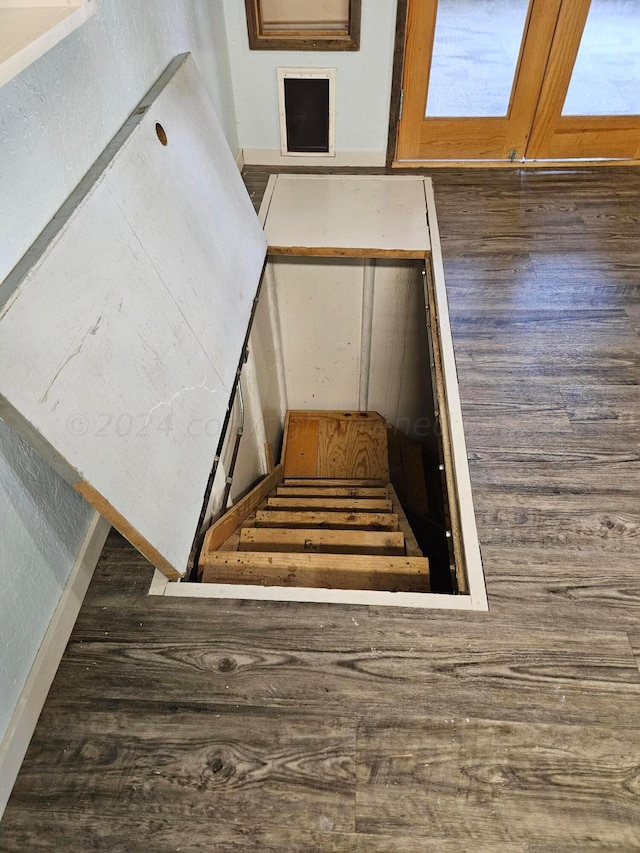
(265, 367)
(399, 372)
(193, 217)
(119, 346)
(113, 379)
(320, 307)
(368, 215)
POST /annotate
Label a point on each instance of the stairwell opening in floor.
(336, 479)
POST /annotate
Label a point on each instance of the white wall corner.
(240, 159)
(22, 42)
(25, 716)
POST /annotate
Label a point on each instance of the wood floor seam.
(635, 648)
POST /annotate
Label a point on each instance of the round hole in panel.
(161, 134)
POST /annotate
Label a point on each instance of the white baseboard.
(273, 157)
(240, 159)
(25, 716)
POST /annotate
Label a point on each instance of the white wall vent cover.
(306, 98)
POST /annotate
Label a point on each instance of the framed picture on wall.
(303, 24)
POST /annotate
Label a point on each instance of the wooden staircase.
(327, 516)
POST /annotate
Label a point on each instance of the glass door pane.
(606, 75)
(475, 56)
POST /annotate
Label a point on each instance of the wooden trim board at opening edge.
(231, 520)
(340, 252)
(123, 526)
(468, 530)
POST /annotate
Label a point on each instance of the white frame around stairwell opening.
(476, 597)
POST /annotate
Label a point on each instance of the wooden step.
(332, 481)
(330, 520)
(332, 571)
(331, 504)
(332, 492)
(386, 543)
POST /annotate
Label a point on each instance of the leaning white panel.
(120, 339)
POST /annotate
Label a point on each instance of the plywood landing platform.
(343, 445)
(325, 529)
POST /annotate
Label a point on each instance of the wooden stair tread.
(389, 543)
(333, 571)
(331, 504)
(288, 491)
(332, 519)
(319, 482)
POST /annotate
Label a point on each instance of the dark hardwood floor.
(202, 725)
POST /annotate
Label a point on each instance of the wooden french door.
(520, 80)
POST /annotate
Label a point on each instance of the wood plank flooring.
(223, 726)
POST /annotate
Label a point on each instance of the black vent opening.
(306, 104)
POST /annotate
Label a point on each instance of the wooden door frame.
(486, 139)
(552, 133)
(396, 81)
(395, 106)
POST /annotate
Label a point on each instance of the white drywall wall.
(43, 523)
(55, 118)
(363, 83)
(320, 306)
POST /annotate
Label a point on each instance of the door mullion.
(532, 65)
(421, 24)
(571, 21)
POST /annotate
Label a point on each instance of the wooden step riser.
(331, 504)
(335, 444)
(327, 571)
(322, 541)
(329, 520)
(331, 492)
(415, 485)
